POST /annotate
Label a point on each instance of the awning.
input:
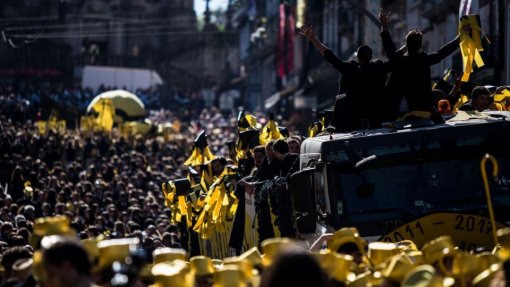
(270, 102)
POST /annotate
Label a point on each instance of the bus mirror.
(303, 194)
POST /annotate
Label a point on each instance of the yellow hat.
(504, 241)
(380, 252)
(37, 267)
(90, 245)
(173, 274)
(346, 235)
(425, 276)
(487, 259)
(47, 226)
(272, 247)
(28, 191)
(253, 256)
(114, 250)
(415, 256)
(484, 279)
(166, 254)
(51, 226)
(244, 265)
(22, 267)
(367, 279)
(398, 267)
(437, 249)
(48, 241)
(217, 263)
(337, 266)
(229, 276)
(405, 245)
(201, 265)
(467, 265)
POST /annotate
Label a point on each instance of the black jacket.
(363, 86)
(468, 106)
(289, 165)
(411, 77)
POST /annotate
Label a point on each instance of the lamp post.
(207, 13)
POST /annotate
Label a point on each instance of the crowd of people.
(106, 185)
(81, 208)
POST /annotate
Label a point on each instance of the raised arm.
(325, 51)
(454, 94)
(443, 52)
(308, 33)
(388, 45)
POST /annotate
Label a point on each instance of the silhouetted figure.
(410, 84)
(294, 268)
(360, 96)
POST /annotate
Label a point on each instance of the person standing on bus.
(360, 96)
(410, 84)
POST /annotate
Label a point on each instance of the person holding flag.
(410, 84)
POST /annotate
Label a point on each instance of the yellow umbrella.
(126, 104)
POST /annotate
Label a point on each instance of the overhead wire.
(85, 24)
(147, 27)
(116, 34)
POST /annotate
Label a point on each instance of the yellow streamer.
(270, 132)
(470, 45)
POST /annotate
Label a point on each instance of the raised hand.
(384, 17)
(307, 32)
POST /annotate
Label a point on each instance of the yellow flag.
(462, 100)
(470, 45)
(53, 121)
(270, 132)
(61, 126)
(41, 127)
(106, 115)
(86, 123)
(502, 96)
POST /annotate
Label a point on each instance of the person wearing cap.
(410, 84)
(66, 264)
(203, 271)
(344, 241)
(293, 267)
(9, 257)
(362, 81)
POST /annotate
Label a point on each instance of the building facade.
(343, 25)
(155, 34)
